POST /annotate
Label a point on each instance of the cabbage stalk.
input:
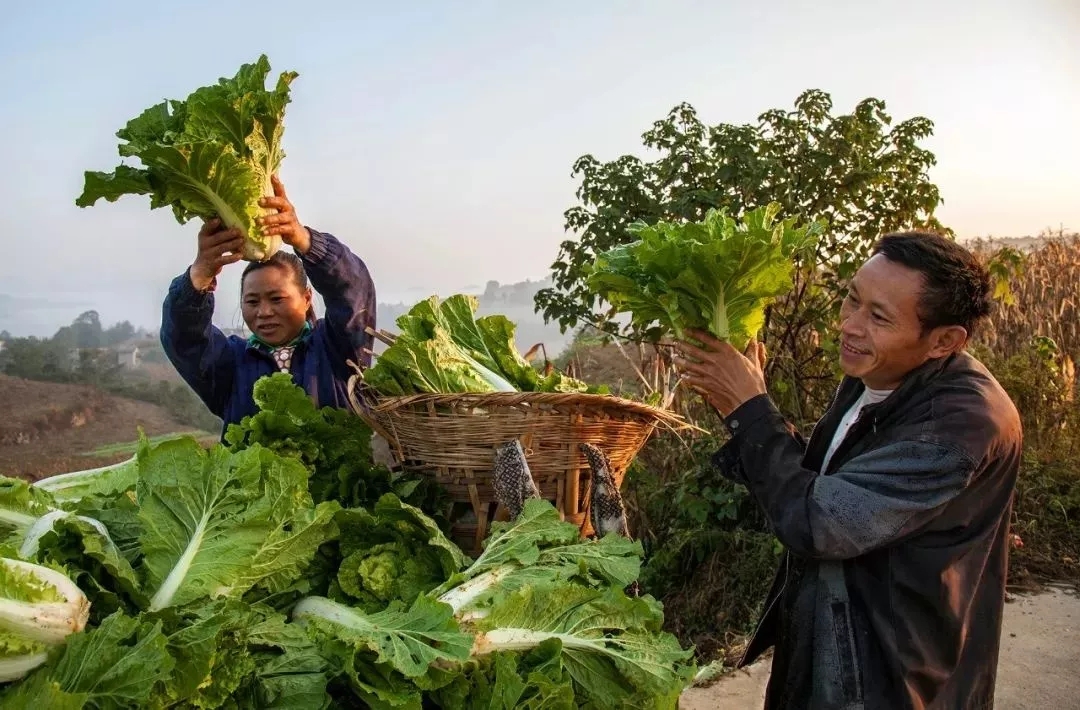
(39, 608)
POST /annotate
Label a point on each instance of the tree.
(118, 333)
(84, 332)
(860, 172)
(35, 359)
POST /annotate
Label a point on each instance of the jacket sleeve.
(198, 350)
(871, 501)
(342, 279)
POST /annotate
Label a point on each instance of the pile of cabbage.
(284, 569)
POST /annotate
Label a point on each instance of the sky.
(436, 139)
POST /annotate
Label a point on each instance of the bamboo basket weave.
(452, 438)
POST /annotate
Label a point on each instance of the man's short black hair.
(958, 287)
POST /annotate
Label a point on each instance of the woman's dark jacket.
(223, 369)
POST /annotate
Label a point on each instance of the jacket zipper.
(777, 597)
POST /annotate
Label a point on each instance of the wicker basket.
(452, 438)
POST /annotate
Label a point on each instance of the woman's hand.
(721, 374)
(284, 223)
(217, 247)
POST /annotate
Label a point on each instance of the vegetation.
(710, 556)
(86, 353)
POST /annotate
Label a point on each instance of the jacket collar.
(849, 391)
(915, 381)
(254, 342)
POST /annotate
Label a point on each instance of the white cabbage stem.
(461, 596)
(15, 667)
(330, 610)
(511, 639)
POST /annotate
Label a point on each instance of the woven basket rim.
(370, 406)
(388, 405)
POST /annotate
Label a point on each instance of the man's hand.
(217, 247)
(720, 373)
(284, 222)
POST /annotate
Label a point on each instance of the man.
(895, 515)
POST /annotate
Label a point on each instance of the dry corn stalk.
(1046, 300)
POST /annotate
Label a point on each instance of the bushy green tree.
(860, 171)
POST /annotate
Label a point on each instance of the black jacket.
(891, 588)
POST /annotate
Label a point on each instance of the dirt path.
(1040, 655)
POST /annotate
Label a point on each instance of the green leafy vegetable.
(219, 581)
(333, 444)
(505, 680)
(83, 547)
(113, 666)
(387, 656)
(612, 645)
(21, 508)
(538, 546)
(216, 524)
(37, 530)
(547, 623)
(394, 552)
(211, 155)
(232, 654)
(716, 275)
(104, 481)
(426, 358)
(443, 347)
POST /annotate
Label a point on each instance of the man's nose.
(852, 325)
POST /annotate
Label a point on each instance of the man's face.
(881, 337)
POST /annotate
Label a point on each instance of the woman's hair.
(289, 262)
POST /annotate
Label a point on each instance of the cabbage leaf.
(392, 553)
(217, 523)
(115, 665)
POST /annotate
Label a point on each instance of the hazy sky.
(437, 141)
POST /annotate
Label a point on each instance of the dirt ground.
(1040, 655)
(46, 428)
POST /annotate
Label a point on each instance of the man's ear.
(947, 340)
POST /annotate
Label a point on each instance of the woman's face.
(273, 304)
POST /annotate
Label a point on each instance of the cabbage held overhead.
(210, 155)
(717, 275)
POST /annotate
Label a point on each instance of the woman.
(277, 308)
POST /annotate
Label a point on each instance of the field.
(52, 428)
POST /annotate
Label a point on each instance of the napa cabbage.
(209, 155)
(717, 275)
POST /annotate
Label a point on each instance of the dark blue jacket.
(223, 369)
